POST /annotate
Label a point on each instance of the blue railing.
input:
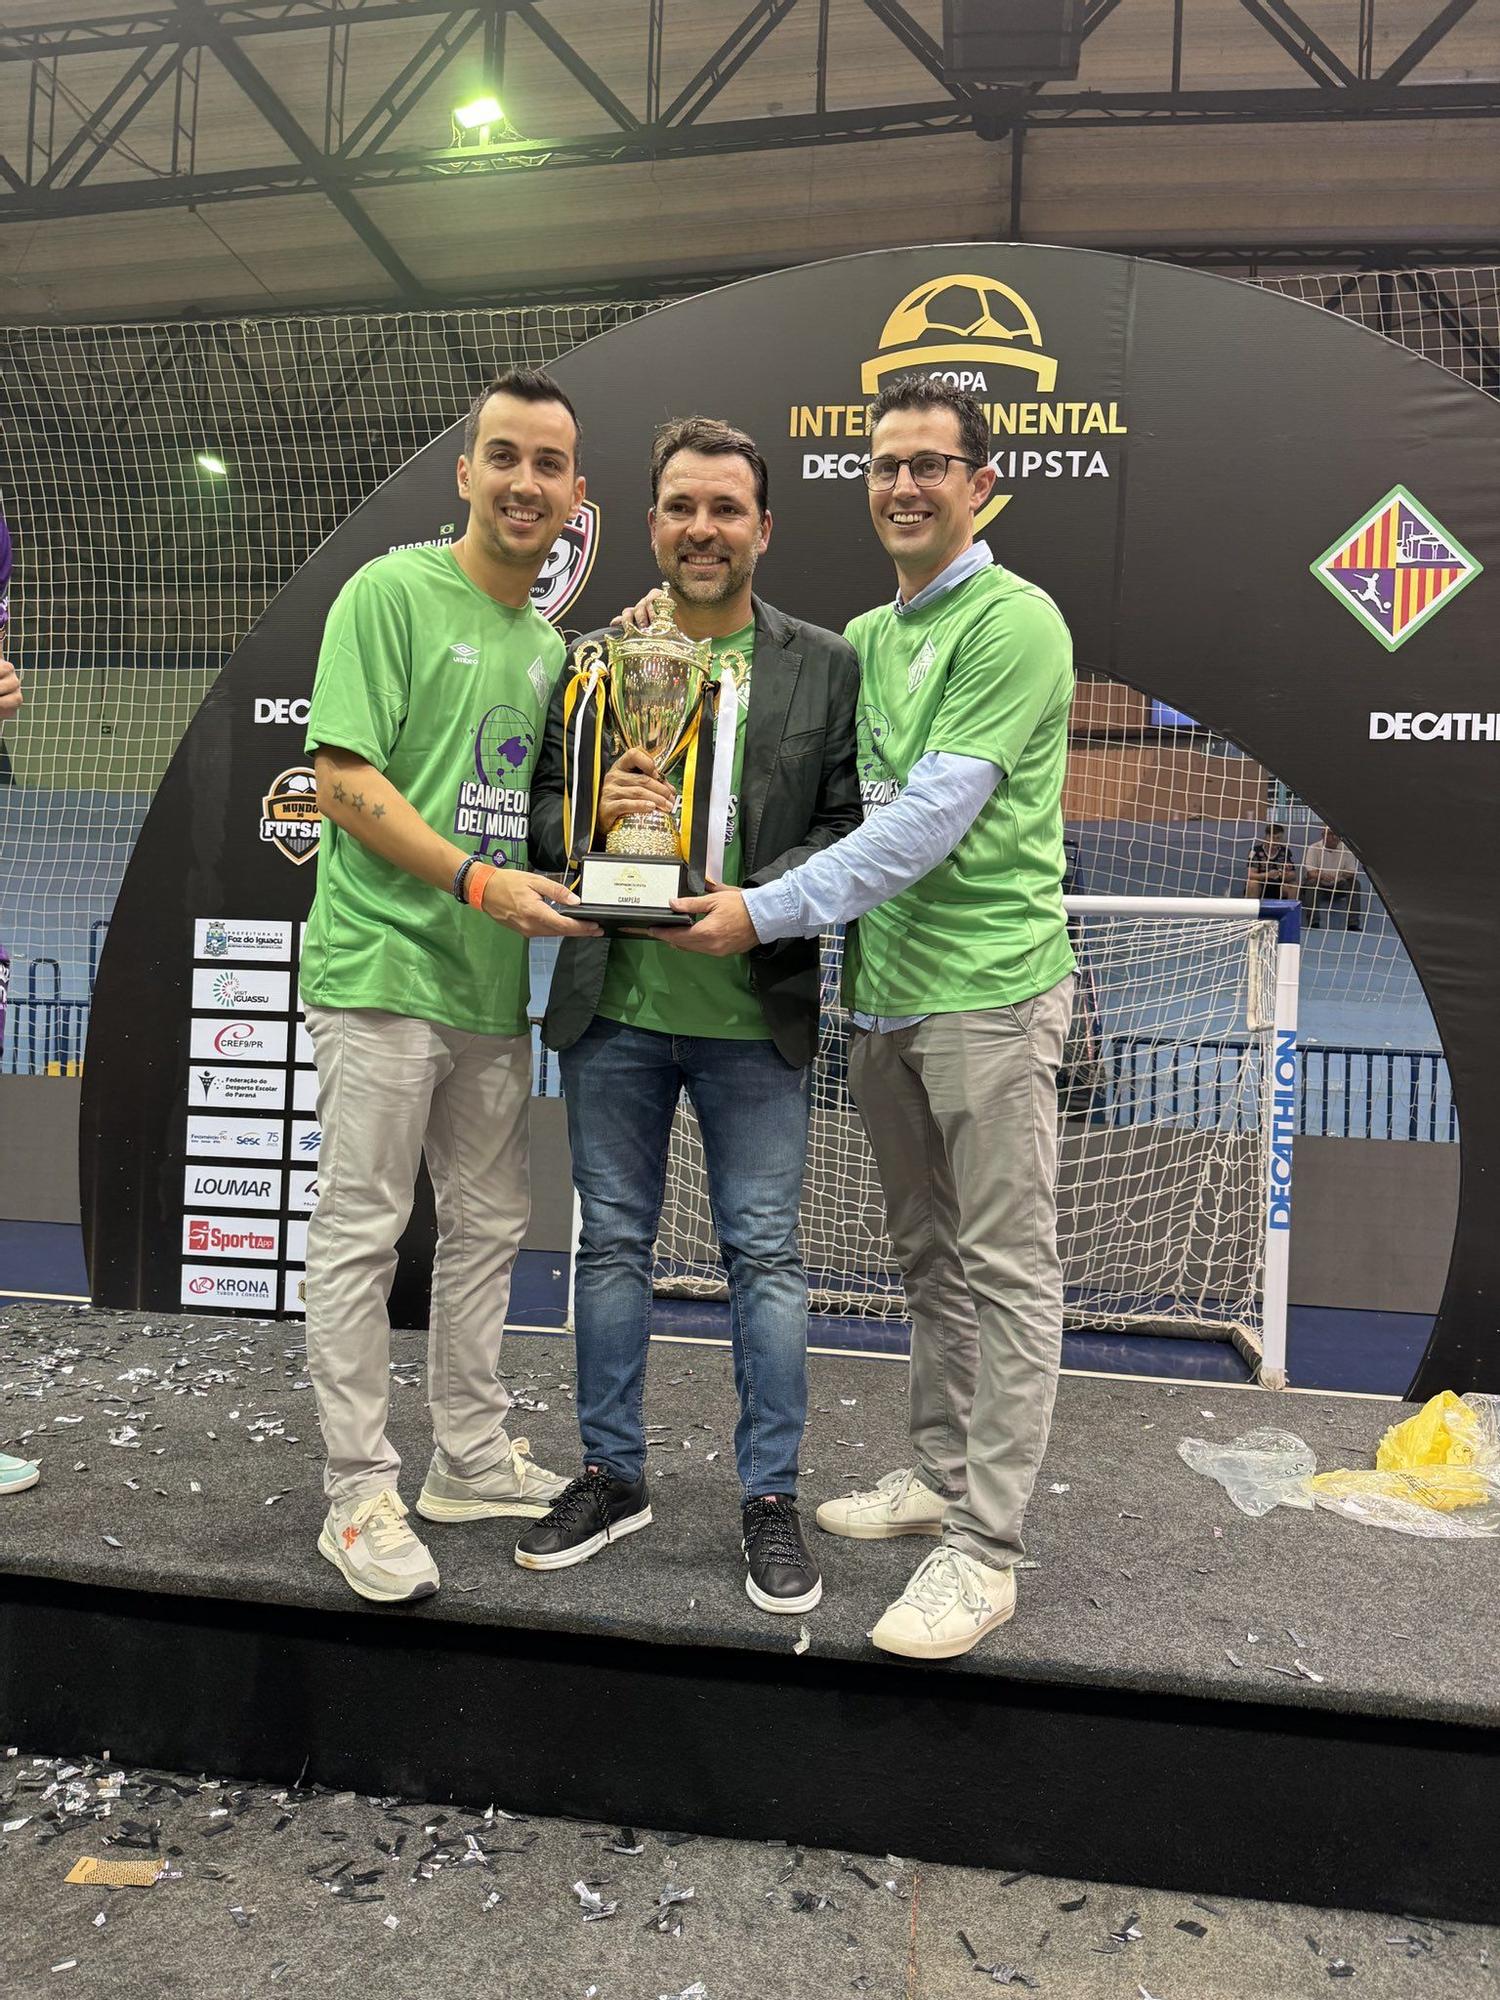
(1130, 1080)
(44, 1035)
(1213, 1086)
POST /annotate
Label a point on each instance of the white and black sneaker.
(782, 1576)
(592, 1510)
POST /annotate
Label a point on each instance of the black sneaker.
(592, 1510)
(782, 1576)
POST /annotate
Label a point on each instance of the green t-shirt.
(445, 691)
(985, 670)
(649, 985)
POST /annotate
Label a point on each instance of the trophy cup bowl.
(654, 692)
(656, 683)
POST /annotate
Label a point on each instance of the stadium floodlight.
(474, 121)
(216, 468)
(481, 111)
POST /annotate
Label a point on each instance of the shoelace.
(383, 1523)
(771, 1531)
(944, 1576)
(587, 1489)
(892, 1487)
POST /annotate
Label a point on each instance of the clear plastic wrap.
(1436, 1475)
(1262, 1470)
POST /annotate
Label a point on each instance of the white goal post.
(1178, 1104)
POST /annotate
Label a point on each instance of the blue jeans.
(622, 1085)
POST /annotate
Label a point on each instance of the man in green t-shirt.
(637, 1025)
(959, 980)
(431, 690)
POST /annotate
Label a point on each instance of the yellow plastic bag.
(1445, 1431)
(1444, 1488)
(1441, 1461)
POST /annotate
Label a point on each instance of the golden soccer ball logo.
(958, 326)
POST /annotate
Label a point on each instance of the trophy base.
(631, 891)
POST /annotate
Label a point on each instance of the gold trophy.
(657, 687)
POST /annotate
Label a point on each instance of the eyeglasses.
(928, 468)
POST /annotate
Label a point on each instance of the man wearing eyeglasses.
(959, 981)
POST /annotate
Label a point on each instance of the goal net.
(1166, 1112)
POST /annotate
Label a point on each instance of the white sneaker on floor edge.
(378, 1555)
(899, 1504)
(514, 1486)
(946, 1609)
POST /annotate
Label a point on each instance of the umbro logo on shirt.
(464, 655)
(536, 673)
(916, 673)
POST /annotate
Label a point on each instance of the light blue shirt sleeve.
(895, 847)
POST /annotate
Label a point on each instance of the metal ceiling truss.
(66, 140)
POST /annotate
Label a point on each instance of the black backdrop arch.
(1213, 442)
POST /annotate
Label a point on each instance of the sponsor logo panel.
(302, 1045)
(304, 1090)
(307, 1139)
(566, 567)
(289, 816)
(216, 1236)
(296, 1242)
(1283, 1128)
(1431, 725)
(238, 1041)
(302, 1191)
(236, 992)
(214, 1287)
(982, 336)
(294, 1293)
(282, 709)
(238, 1186)
(1394, 569)
(235, 1138)
(268, 943)
(212, 1083)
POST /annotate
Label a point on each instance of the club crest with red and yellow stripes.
(1396, 568)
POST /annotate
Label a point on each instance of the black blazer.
(799, 792)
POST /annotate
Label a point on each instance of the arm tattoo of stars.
(358, 802)
(377, 811)
(339, 793)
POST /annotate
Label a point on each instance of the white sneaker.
(899, 1504)
(16, 1474)
(514, 1485)
(947, 1608)
(378, 1554)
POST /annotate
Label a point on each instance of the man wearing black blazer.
(636, 1023)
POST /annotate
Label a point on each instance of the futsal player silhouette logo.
(1371, 593)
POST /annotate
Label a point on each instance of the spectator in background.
(1330, 880)
(1272, 872)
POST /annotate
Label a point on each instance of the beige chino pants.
(962, 1116)
(392, 1090)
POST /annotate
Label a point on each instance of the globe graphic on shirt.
(503, 745)
(871, 730)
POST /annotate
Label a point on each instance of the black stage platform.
(1104, 1734)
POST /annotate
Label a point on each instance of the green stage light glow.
(481, 111)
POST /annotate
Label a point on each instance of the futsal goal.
(1177, 1102)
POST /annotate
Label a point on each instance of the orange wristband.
(478, 881)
